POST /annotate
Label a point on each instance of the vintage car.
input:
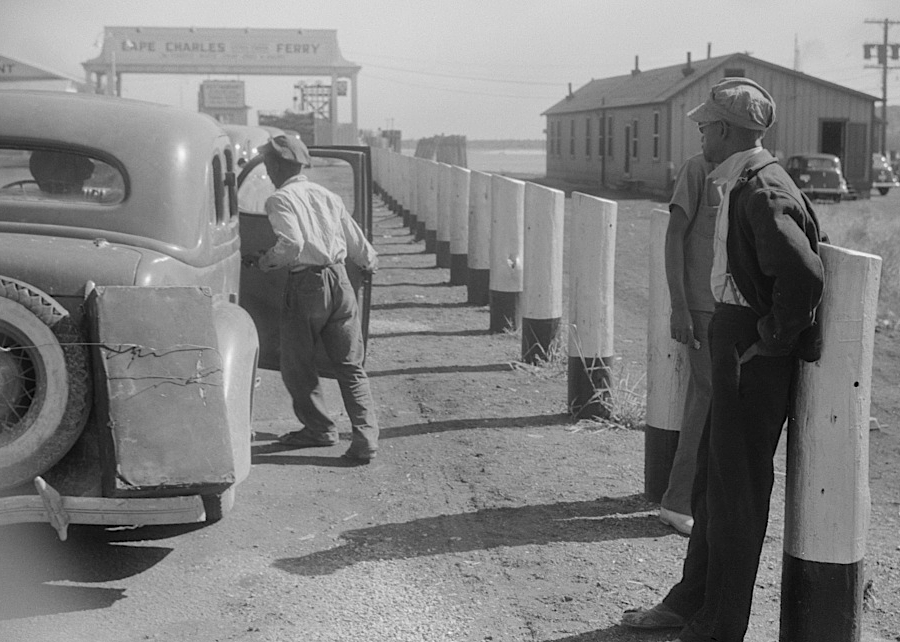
(883, 177)
(127, 358)
(818, 176)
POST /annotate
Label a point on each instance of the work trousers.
(696, 408)
(320, 306)
(733, 483)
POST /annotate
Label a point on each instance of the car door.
(346, 171)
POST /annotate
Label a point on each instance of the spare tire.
(45, 383)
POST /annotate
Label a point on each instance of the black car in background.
(818, 176)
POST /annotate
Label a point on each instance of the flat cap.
(738, 101)
(289, 148)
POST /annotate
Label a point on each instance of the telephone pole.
(882, 50)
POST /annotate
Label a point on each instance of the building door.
(627, 150)
(832, 137)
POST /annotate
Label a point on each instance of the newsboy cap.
(738, 101)
(290, 148)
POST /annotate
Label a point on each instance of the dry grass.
(625, 401)
(873, 226)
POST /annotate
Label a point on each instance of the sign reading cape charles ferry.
(200, 50)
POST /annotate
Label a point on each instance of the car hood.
(61, 266)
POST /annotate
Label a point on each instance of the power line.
(457, 77)
(883, 60)
(463, 91)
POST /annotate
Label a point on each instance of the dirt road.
(487, 516)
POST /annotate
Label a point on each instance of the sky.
(484, 69)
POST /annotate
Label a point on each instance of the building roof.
(17, 69)
(660, 85)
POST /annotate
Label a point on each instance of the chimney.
(636, 70)
(708, 50)
(687, 70)
(570, 95)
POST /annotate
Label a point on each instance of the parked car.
(127, 359)
(883, 177)
(818, 176)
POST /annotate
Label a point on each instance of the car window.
(820, 163)
(63, 176)
(332, 173)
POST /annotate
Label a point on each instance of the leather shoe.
(360, 455)
(308, 439)
(657, 617)
(679, 521)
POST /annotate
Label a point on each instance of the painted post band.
(431, 207)
(592, 253)
(459, 225)
(827, 488)
(668, 370)
(444, 195)
(507, 250)
(479, 242)
(543, 272)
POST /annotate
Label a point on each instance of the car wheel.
(884, 190)
(217, 505)
(45, 386)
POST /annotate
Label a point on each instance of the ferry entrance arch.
(304, 53)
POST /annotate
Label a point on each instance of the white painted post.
(543, 273)
(479, 261)
(431, 207)
(668, 370)
(459, 225)
(422, 178)
(592, 252)
(444, 197)
(827, 492)
(507, 250)
(409, 180)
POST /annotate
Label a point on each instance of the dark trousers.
(733, 483)
(320, 307)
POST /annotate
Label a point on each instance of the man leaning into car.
(316, 234)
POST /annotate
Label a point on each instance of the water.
(519, 162)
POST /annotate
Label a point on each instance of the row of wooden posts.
(503, 239)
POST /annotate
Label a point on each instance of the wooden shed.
(631, 131)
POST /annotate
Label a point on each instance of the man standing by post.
(689, 254)
(767, 280)
(315, 235)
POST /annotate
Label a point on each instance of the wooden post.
(444, 197)
(668, 370)
(507, 250)
(479, 261)
(412, 187)
(592, 262)
(403, 186)
(422, 178)
(543, 274)
(431, 207)
(459, 225)
(827, 492)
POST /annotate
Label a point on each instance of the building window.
(656, 135)
(572, 137)
(634, 139)
(609, 136)
(601, 137)
(587, 137)
(734, 72)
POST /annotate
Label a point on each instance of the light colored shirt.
(725, 176)
(699, 199)
(313, 228)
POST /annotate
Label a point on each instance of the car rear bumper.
(60, 511)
